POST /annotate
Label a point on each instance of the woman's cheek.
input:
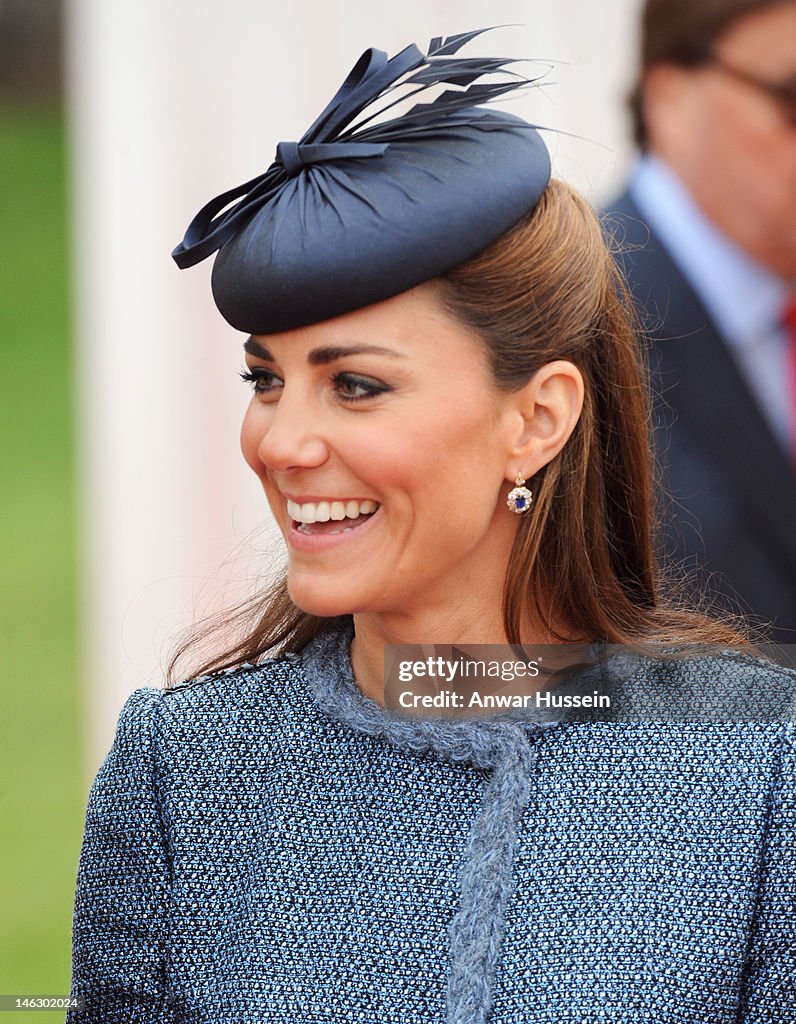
(250, 438)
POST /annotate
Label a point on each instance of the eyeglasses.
(783, 93)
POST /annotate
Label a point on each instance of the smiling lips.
(323, 516)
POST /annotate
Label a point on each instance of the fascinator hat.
(366, 205)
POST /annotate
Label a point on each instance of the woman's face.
(383, 447)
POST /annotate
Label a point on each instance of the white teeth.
(323, 511)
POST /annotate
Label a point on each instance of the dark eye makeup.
(349, 387)
(262, 381)
(352, 387)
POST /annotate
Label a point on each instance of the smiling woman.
(448, 419)
(336, 422)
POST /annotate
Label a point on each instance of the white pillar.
(172, 102)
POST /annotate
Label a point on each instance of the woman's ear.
(549, 407)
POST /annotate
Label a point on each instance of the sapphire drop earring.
(519, 497)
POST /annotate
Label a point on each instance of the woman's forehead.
(404, 326)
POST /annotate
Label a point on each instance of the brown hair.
(584, 556)
(682, 32)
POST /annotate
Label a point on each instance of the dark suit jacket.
(731, 503)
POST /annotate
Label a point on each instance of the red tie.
(790, 327)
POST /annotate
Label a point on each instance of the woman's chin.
(316, 599)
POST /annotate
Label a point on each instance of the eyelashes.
(262, 382)
(348, 387)
(351, 387)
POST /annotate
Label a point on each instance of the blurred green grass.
(41, 793)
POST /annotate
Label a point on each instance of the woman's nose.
(292, 437)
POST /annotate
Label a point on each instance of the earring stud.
(519, 498)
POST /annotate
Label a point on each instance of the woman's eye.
(352, 388)
(262, 381)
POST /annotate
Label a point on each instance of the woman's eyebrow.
(321, 356)
(254, 348)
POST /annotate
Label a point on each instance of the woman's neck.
(373, 632)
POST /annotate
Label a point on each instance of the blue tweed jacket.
(269, 846)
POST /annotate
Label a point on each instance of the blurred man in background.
(708, 225)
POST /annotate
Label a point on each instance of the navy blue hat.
(353, 214)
